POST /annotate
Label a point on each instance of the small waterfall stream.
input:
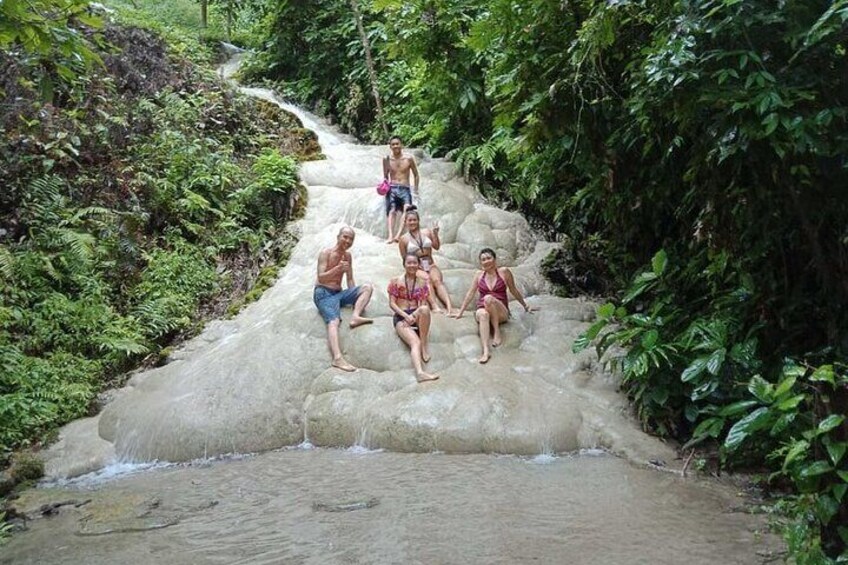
(484, 466)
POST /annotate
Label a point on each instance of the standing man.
(333, 264)
(396, 168)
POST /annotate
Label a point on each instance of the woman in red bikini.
(408, 295)
(422, 242)
(492, 284)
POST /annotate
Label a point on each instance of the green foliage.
(27, 467)
(5, 529)
(171, 286)
(268, 198)
(50, 33)
(678, 361)
(122, 201)
(800, 419)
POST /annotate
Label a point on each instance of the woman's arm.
(402, 243)
(393, 303)
(469, 295)
(510, 284)
(434, 237)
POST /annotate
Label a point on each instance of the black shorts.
(398, 318)
(399, 195)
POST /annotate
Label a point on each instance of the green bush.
(125, 194)
(171, 286)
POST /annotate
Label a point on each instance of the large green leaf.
(795, 451)
(659, 262)
(835, 449)
(710, 427)
(737, 408)
(761, 389)
(751, 423)
(815, 469)
(785, 386)
(694, 370)
(830, 423)
(823, 374)
(716, 360)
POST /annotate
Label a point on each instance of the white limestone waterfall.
(262, 380)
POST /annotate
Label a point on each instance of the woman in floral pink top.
(408, 295)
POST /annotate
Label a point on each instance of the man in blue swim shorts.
(396, 168)
(329, 296)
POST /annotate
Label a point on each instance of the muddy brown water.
(349, 506)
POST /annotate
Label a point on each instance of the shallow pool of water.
(347, 506)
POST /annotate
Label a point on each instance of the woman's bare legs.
(439, 288)
(482, 317)
(491, 316)
(423, 317)
(498, 314)
(431, 298)
(401, 223)
(408, 335)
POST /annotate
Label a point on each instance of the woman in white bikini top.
(423, 247)
(422, 242)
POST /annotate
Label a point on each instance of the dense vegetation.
(692, 154)
(139, 193)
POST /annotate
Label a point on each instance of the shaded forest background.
(140, 197)
(691, 156)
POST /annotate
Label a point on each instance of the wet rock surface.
(263, 380)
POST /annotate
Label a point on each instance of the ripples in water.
(401, 508)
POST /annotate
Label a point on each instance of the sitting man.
(329, 297)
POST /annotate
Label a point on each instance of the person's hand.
(435, 227)
(344, 265)
(410, 319)
(456, 315)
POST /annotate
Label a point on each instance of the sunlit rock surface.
(262, 380)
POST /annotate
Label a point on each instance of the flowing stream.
(532, 457)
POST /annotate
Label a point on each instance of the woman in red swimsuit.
(492, 284)
(408, 295)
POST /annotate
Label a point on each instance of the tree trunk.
(229, 20)
(372, 72)
(204, 20)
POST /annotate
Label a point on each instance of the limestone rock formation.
(262, 380)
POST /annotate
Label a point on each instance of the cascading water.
(262, 381)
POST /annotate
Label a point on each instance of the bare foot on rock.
(484, 358)
(425, 355)
(342, 364)
(496, 341)
(425, 377)
(360, 321)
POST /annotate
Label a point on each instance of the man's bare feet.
(425, 355)
(342, 364)
(496, 341)
(438, 310)
(390, 241)
(360, 321)
(484, 358)
(424, 377)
